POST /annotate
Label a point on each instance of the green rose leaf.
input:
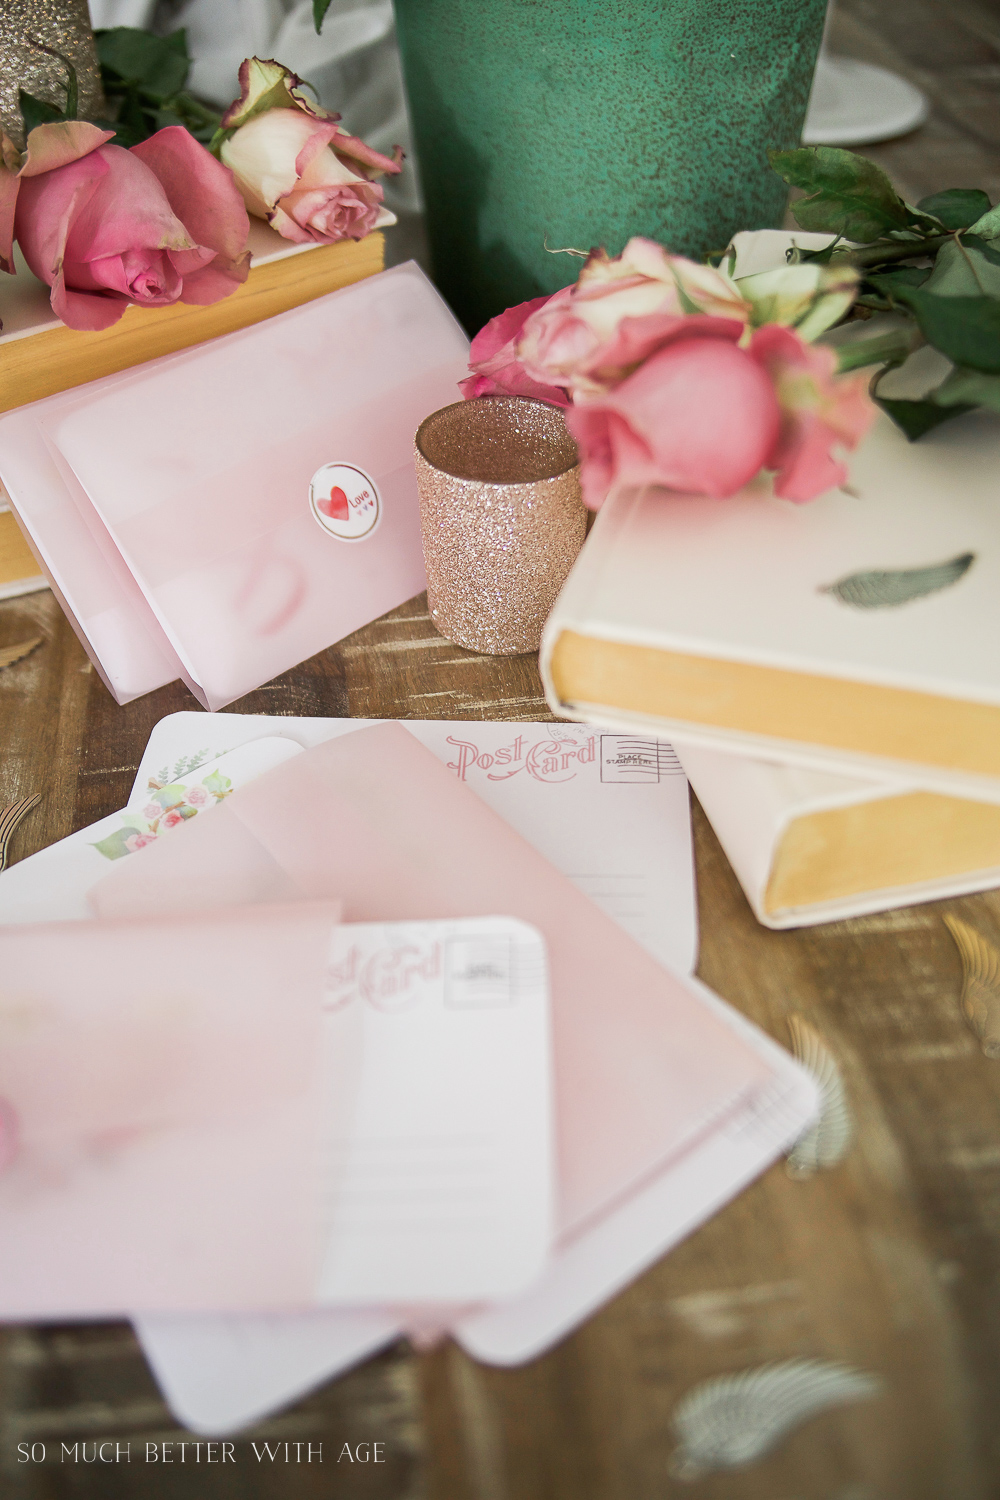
(217, 784)
(965, 271)
(957, 208)
(115, 845)
(968, 388)
(320, 8)
(124, 135)
(846, 194)
(157, 65)
(36, 111)
(989, 225)
(899, 276)
(917, 417)
(966, 329)
(170, 796)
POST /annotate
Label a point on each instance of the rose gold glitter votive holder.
(501, 517)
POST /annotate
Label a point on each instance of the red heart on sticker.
(336, 506)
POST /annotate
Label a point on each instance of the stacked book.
(828, 672)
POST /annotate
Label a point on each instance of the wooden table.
(889, 1262)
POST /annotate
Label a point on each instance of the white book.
(810, 847)
(854, 635)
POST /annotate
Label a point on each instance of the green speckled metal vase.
(582, 122)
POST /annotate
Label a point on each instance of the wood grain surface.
(888, 1262)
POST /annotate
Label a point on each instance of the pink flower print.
(139, 841)
(197, 796)
(172, 819)
(152, 811)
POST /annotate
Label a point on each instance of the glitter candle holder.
(501, 517)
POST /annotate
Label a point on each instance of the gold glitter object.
(501, 517)
(63, 25)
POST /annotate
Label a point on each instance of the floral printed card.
(53, 884)
(610, 811)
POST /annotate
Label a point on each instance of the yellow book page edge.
(58, 359)
(881, 845)
(800, 707)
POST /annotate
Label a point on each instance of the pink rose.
(197, 796)
(294, 164)
(172, 819)
(587, 336)
(703, 415)
(152, 811)
(105, 227)
(139, 841)
(699, 416)
(497, 371)
(590, 335)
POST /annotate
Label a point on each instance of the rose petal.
(497, 370)
(287, 227)
(127, 209)
(504, 329)
(318, 166)
(356, 150)
(57, 144)
(9, 184)
(202, 194)
(262, 156)
(47, 207)
(818, 408)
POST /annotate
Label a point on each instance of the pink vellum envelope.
(642, 1067)
(96, 591)
(164, 1094)
(246, 502)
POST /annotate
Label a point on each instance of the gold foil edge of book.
(799, 707)
(885, 844)
(57, 359)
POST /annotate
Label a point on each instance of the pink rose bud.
(294, 164)
(139, 841)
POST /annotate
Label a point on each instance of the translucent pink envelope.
(642, 1067)
(163, 1090)
(226, 512)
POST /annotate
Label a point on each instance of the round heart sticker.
(345, 501)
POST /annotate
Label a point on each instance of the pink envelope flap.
(642, 1065)
(162, 1094)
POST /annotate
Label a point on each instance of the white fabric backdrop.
(353, 64)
